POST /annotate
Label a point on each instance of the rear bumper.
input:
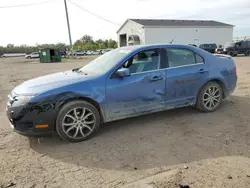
(228, 91)
(221, 52)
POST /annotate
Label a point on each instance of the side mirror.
(123, 72)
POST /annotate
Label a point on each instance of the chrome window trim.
(147, 71)
(186, 65)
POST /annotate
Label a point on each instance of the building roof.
(159, 22)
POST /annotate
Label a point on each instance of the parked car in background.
(235, 48)
(208, 47)
(193, 45)
(79, 53)
(63, 53)
(89, 52)
(106, 50)
(118, 85)
(32, 55)
(96, 52)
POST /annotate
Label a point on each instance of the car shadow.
(159, 139)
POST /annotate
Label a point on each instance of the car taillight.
(235, 70)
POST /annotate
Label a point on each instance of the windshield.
(105, 62)
(229, 44)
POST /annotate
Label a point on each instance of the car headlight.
(21, 100)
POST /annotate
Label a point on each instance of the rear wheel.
(77, 121)
(230, 53)
(247, 53)
(210, 97)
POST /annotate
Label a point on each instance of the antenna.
(172, 40)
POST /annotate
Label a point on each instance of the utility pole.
(67, 17)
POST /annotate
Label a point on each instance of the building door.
(123, 40)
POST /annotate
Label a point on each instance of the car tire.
(247, 53)
(230, 53)
(70, 122)
(210, 97)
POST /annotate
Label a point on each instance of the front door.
(141, 92)
(186, 73)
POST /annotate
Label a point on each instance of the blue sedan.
(122, 83)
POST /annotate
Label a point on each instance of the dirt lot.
(144, 151)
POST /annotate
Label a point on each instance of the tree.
(101, 46)
(86, 39)
(84, 43)
(61, 46)
(111, 43)
(10, 45)
(99, 41)
(106, 43)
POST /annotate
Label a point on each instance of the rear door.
(243, 47)
(187, 71)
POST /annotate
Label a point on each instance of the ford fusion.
(122, 83)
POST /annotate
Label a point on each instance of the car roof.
(145, 47)
(138, 48)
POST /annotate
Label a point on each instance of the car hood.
(52, 81)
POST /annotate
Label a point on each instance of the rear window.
(199, 59)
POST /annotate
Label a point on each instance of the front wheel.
(210, 97)
(77, 121)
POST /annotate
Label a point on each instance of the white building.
(146, 31)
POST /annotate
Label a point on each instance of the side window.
(144, 61)
(180, 57)
(244, 44)
(238, 45)
(199, 59)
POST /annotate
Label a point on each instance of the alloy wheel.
(212, 97)
(79, 123)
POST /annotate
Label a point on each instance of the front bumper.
(24, 119)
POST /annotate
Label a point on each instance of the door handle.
(156, 77)
(201, 71)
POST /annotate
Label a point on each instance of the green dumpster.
(49, 55)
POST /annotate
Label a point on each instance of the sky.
(46, 23)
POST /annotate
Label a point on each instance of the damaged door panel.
(136, 94)
(142, 91)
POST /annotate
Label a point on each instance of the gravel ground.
(129, 150)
